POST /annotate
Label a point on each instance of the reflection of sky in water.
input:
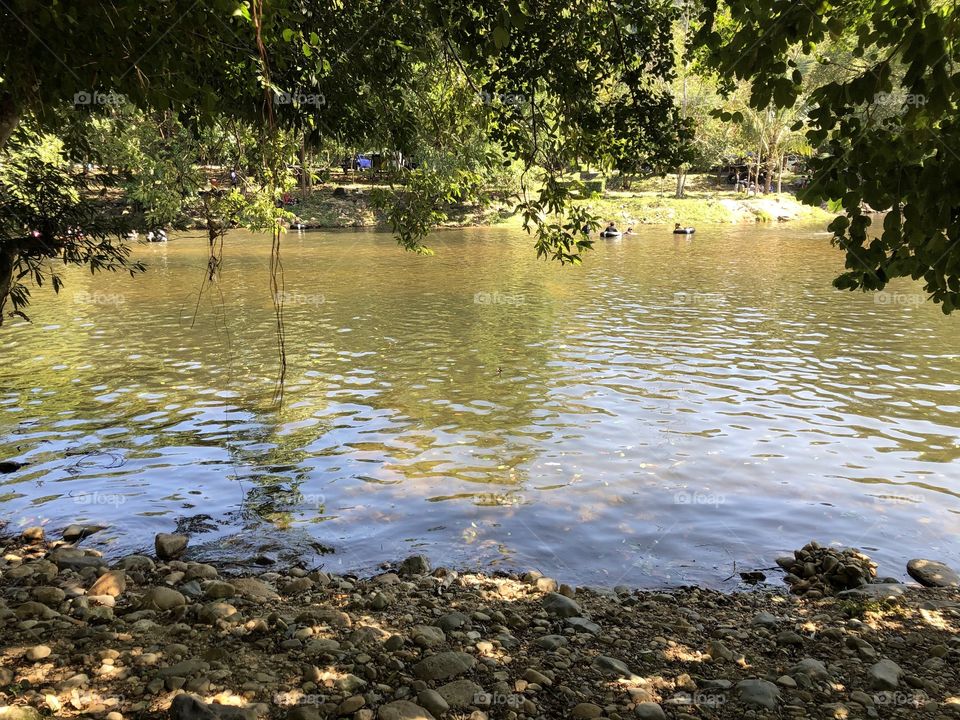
(665, 410)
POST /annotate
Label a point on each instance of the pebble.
(414, 565)
(561, 606)
(443, 665)
(218, 590)
(254, 589)
(932, 573)
(75, 532)
(187, 707)
(452, 621)
(758, 692)
(427, 636)
(19, 712)
(586, 711)
(170, 546)
(433, 701)
(583, 625)
(48, 595)
(461, 693)
(535, 676)
(351, 705)
(764, 619)
(403, 710)
(38, 652)
(810, 667)
(33, 534)
(139, 563)
(885, 675)
(163, 598)
(551, 642)
(112, 582)
(611, 666)
(649, 711)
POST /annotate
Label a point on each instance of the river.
(672, 411)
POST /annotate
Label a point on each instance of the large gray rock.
(551, 642)
(649, 711)
(432, 701)
(403, 710)
(874, 591)
(112, 582)
(582, 625)
(68, 558)
(885, 675)
(427, 636)
(461, 693)
(810, 667)
(444, 665)
(170, 546)
(932, 573)
(561, 606)
(187, 707)
(414, 565)
(72, 533)
(758, 692)
(254, 589)
(139, 563)
(611, 666)
(163, 598)
(19, 712)
(764, 619)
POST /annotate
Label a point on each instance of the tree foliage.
(885, 124)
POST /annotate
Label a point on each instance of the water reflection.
(670, 407)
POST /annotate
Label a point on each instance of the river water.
(672, 411)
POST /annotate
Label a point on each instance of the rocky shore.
(163, 637)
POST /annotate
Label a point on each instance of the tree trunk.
(9, 117)
(8, 260)
(780, 174)
(681, 183)
(304, 174)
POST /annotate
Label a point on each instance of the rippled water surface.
(670, 408)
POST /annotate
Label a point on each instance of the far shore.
(705, 202)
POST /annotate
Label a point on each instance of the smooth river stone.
(444, 665)
(758, 692)
(170, 546)
(932, 573)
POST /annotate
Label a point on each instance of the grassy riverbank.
(149, 638)
(646, 203)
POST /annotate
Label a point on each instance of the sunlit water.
(673, 411)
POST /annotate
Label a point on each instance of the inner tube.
(684, 231)
(611, 234)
